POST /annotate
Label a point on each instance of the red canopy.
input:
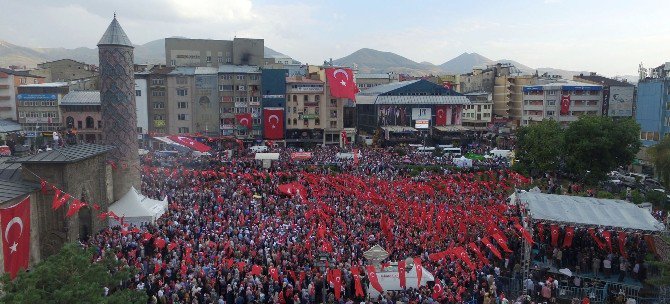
(190, 143)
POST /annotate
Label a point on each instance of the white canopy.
(263, 156)
(463, 162)
(136, 208)
(588, 211)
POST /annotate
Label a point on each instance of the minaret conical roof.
(114, 35)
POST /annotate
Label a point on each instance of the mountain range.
(366, 60)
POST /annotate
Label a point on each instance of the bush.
(636, 197)
(604, 194)
(656, 197)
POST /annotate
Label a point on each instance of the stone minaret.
(117, 96)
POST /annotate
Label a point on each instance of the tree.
(662, 277)
(660, 156)
(70, 277)
(539, 147)
(595, 145)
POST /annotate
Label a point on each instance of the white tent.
(389, 279)
(462, 162)
(136, 208)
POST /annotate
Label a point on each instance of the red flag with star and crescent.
(244, 120)
(15, 224)
(372, 276)
(273, 122)
(341, 82)
(440, 115)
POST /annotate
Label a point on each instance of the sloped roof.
(604, 81)
(422, 99)
(114, 35)
(75, 98)
(385, 88)
(372, 76)
(239, 69)
(64, 155)
(18, 73)
(9, 171)
(11, 189)
(7, 126)
(183, 71)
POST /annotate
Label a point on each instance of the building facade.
(618, 96)
(10, 81)
(157, 100)
(206, 117)
(179, 94)
(653, 109)
(368, 80)
(508, 98)
(213, 53)
(306, 110)
(240, 93)
(65, 70)
(81, 112)
(141, 102)
(38, 107)
(478, 115)
(561, 101)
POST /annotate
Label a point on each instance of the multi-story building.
(618, 96)
(334, 123)
(157, 100)
(38, 107)
(180, 87)
(141, 102)
(483, 79)
(478, 115)
(79, 75)
(81, 110)
(240, 93)
(306, 110)
(10, 80)
(213, 53)
(653, 105)
(562, 101)
(368, 80)
(205, 101)
(508, 98)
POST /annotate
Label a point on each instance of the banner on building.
(441, 115)
(421, 124)
(421, 113)
(565, 104)
(273, 121)
(301, 155)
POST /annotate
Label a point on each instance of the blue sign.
(36, 97)
(532, 88)
(31, 134)
(582, 88)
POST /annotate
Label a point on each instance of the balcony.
(4, 86)
(4, 97)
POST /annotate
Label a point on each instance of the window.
(157, 81)
(257, 121)
(183, 130)
(225, 87)
(240, 77)
(226, 77)
(159, 105)
(181, 80)
(241, 88)
(295, 121)
(182, 116)
(316, 110)
(317, 121)
(288, 122)
(23, 80)
(550, 113)
(228, 60)
(209, 59)
(99, 124)
(333, 124)
(551, 102)
(667, 105)
(295, 110)
(138, 93)
(182, 92)
(173, 62)
(295, 98)
(157, 93)
(551, 92)
(333, 102)
(182, 105)
(90, 123)
(305, 122)
(333, 113)
(158, 117)
(219, 59)
(253, 77)
(305, 98)
(317, 98)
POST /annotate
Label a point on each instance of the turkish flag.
(357, 282)
(273, 121)
(479, 254)
(554, 235)
(501, 241)
(401, 274)
(244, 120)
(341, 82)
(565, 104)
(160, 243)
(599, 242)
(608, 239)
(74, 207)
(15, 224)
(437, 290)
(372, 276)
(490, 246)
(337, 282)
(274, 274)
(190, 143)
(622, 243)
(569, 234)
(441, 115)
(419, 270)
(256, 270)
(460, 252)
(524, 233)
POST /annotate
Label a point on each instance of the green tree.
(662, 277)
(660, 156)
(70, 277)
(595, 145)
(539, 147)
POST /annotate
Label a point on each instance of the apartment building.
(183, 52)
(368, 80)
(10, 80)
(240, 93)
(81, 110)
(38, 107)
(157, 100)
(563, 101)
(478, 115)
(618, 96)
(306, 110)
(179, 92)
(141, 102)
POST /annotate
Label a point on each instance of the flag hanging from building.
(244, 120)
(273, 121)
(341, 82)
(565, 104)
(441, 115)
(15, 224)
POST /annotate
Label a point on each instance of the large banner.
(273, 121)
(565, 104)
(421, 113)
(441, 115)
(389, 279)
(621, 101)
(15, 224)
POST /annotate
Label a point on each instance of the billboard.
(421, 114)
(33, 97)
(421, 124)
(621, 101)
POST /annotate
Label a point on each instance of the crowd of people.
(230, 235)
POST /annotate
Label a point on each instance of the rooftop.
(300, 79)
(9, 171)
(7, 126)
(605, 81)
(239, 69)
(206, 70)
(384, 88)
(18, 73)
(65, 155)
(77, 98)
(45, 85)
(183, 71)
(114, 35)
(11, 190)
(372, 76)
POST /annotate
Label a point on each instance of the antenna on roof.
(115, 15)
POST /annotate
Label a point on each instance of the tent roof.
(589, 211)
(133, 204)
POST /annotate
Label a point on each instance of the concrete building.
(334, 124)
(213, 53)
(653, 107)
(563, 101)
(141, 102)
(81, 110)
(618, 96)
(65, 70)
(306, 110)
(206, 118)
(368, 80)
(482, 79)
(10, 80)
(240, 93)
(38, 108)
(180, 88)
(478, 115)
(157, 100)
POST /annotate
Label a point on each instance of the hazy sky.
(610, 37)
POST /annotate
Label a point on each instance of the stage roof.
(581, 210)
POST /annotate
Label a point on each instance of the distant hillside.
(464, 63)
(151, 52)
(373, 61)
